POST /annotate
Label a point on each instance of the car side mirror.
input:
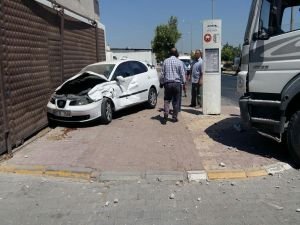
(120, 79)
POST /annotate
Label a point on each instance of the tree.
(229, 52)
(166, 36)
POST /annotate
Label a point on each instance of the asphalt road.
(48, 201)
(228, 91)
(229, 94)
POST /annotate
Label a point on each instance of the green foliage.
(166, 36)
(229, 52)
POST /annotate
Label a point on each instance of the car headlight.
(52, 100)
(82, 101)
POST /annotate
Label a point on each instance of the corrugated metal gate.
(40, 48)
(2, 105)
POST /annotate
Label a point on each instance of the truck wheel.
(106, 111)
(293, 137)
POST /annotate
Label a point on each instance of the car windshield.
(103, 69)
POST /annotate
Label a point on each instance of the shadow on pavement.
(248, 141)
(116, 116)
(192, 111)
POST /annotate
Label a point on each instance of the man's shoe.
(164, 120)
(174, 119)
(191, 105)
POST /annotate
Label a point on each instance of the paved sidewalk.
(136, 142)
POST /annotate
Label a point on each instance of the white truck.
(269, 77)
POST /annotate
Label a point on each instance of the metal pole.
(191, 38)
(62, 31)
(182, 50)
(212, 9)
(4, 93)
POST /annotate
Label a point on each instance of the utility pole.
(212, 9)
(191, 38)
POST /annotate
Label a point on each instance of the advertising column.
(211, 98)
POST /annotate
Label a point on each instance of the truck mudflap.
(245, 116)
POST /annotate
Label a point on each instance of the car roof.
(116, 62)
(184, 57)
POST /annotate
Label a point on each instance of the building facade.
(145, 55)
(42, 43)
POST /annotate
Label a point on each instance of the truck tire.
(293, 137)
(106, 111)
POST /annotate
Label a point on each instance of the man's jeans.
(196, 94)
(172, 93)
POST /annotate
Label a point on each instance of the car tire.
(106, 111)
(293, 137)
(51, 124)
(152, 98)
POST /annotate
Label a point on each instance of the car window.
(103, 69)
(124, 70)
(138, 67)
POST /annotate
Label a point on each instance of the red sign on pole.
(207, 37)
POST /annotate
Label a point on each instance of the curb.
(191, 176)
(272, 169)
(56, 171)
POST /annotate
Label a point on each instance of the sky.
(131, 23)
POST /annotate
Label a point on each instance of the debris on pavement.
(107, 203)
(275, 206)
(116, 200)
(222, 164)
(172, 196)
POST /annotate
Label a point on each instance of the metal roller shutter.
(101, 45)
(79, 46)
(39, 49)
(25, 66)
(2, 126)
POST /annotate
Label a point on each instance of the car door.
(124, 87)
(141, 83)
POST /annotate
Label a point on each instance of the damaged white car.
(102, 88)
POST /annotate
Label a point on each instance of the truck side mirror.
(262, 35)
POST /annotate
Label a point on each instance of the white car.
(102, 88)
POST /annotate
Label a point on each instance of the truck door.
(275, 47)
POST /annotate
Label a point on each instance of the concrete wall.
(88, 8)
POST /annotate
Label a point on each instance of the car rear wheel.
(106, 111)
(152, 98)
(293, 137)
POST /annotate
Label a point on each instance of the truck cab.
(269, 77)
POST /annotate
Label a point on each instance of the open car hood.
(81, 83)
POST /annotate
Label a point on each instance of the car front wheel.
(152, 98)
(293, 137)
(106, 111)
